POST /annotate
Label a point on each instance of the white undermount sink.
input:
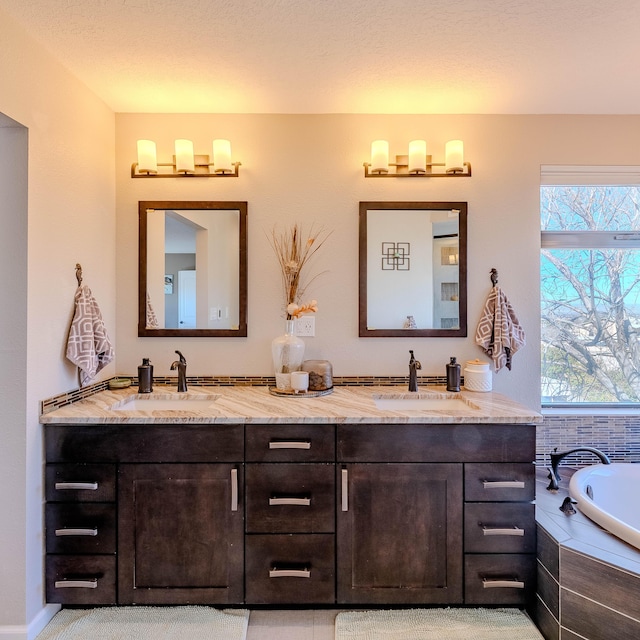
(424, 402)
(165, 402)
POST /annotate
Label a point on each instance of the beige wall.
(70, 219)
(308, 168)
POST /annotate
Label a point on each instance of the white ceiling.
(347, 56)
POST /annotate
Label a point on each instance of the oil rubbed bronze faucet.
(554, 475)
(181, 366)
(414, 365)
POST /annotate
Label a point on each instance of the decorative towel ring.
(79, 273)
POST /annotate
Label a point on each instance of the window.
(590, 285)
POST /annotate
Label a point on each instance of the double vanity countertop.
(257, 405)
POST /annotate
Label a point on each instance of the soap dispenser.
(453, 376)
(145, 376)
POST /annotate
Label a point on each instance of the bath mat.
(436, 624)
(148, 623)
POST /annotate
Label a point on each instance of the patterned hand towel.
(88, 345)
(152, 319)
(499, 333)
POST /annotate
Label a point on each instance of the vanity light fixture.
(185, 164)
(417, 164)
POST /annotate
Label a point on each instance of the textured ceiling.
(346, 56)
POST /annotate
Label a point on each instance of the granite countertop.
(253, 404)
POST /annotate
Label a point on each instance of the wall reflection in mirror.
(413, 269)
(192, 269)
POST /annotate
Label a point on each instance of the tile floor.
(317, 624)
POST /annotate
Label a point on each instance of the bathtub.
(608, 495)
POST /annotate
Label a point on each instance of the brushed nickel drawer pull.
(345, 490)
(301, 502)
(234, 489)
(503, 484)
(289, 444)
(505, 531)
(92, 583)
(75, 486)
(77, 532)
(502, 584)
(275, 572)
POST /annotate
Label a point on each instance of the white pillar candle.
(380, 156)
(222, 156)
(147, 159)
(417, 156)
(299, 380)
(184, 156)
(454, 156)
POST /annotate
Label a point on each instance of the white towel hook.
(79, 273)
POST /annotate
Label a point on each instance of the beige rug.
(147, 623)
(436, 624)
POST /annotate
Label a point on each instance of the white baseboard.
(30, 631)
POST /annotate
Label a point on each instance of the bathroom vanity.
(262, 500)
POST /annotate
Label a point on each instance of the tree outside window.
(590, 294)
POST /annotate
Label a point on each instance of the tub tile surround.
(588, 580)
(247, 404)
(617, 434)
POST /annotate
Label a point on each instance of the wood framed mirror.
(192, 269)
(413, 269)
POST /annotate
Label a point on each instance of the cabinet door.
(180, 534)
(400, 533)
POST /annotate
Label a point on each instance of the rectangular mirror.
(413, 269)
(192, 271)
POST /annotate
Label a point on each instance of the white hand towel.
(88, 345)
(499, 333)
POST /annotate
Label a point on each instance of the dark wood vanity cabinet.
(400, 533)
(172, 496)
(436, 514)
(81, 524)
(180, 534)
(290, 514)
(290, 518)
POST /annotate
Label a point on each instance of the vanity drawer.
(499, 579)
(80, 482)
(499, 482)
(290, 498)
(281, 569)
(145, 443)
(487, 443)
(81, 528)
(290, 443)
(81, 579)
(496, 527)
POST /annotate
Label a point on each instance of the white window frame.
(589, 175)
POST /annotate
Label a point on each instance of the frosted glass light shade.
(147, 158)
(184, 156)
(380, 156)
(222, 156)
(417, 156)
(454, 156)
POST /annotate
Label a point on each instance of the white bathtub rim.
(599, 514)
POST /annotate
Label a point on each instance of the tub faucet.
(181, 366)
(554, 475)
(414, 365)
